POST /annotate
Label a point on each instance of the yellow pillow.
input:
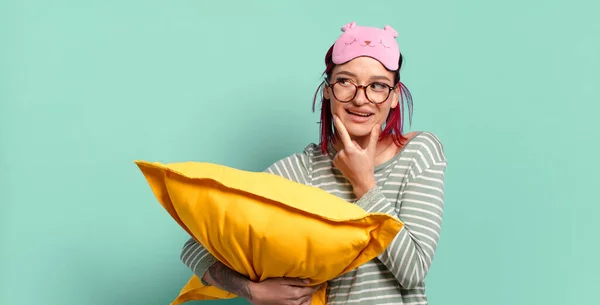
(263, 225)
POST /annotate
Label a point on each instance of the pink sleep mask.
(358, 41)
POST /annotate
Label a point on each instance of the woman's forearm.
(226, 279)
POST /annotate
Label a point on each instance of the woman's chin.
(360, 132)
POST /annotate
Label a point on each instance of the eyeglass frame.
(363, 87)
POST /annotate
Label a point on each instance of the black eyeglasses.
(345, 90)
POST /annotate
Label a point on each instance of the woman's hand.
(282, 291)
(275, 291)
(357, 164)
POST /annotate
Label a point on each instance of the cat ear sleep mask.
(376, 43)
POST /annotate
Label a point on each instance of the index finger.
(306, 291)
(345, 137)
(374, 139)
(295, 282)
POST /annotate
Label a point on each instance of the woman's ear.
(396, 96)
(326, 93)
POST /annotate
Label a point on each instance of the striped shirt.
(410, 186)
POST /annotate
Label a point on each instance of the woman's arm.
(221, 276)
(212, 272)
(271, 291)
(410, 254)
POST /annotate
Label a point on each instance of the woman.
(380, 170)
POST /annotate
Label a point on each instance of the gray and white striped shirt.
(410, 187)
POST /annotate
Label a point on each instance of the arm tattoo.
(230, 280)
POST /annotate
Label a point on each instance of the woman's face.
(359, 115)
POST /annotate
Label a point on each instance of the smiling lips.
(361, 114)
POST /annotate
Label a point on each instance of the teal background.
(511, 88)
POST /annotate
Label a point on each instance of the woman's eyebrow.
(374, 77)
(380, 77)
(346, 73)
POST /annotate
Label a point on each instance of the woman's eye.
(343, 81)
(379, 86)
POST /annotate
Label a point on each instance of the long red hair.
(394, 123)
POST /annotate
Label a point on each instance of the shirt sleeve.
(411, 252)
(198, 259)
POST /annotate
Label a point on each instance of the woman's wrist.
(363, 188)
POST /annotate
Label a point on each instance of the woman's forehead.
(363, 67)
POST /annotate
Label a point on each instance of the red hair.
(394, 122)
